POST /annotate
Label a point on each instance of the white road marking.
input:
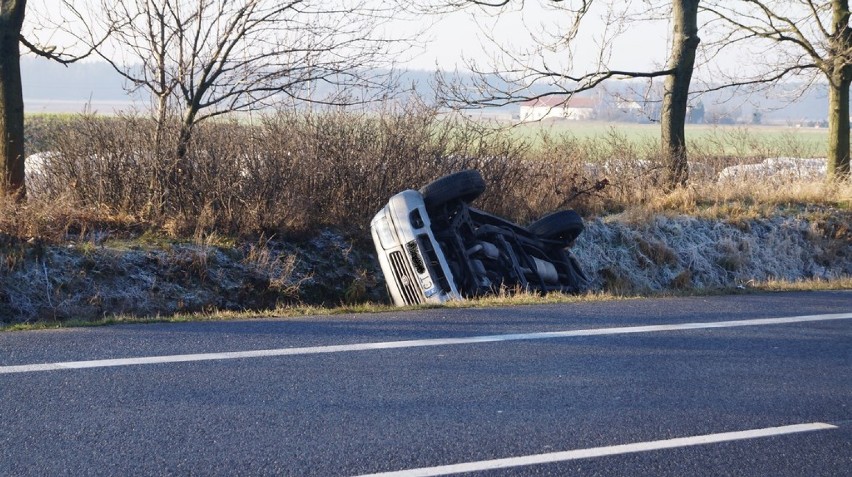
(603, 451)
(182, 358)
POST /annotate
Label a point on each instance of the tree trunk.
(157, 182)
(181, 172)
(12, 173)
(676, 91)
(838, 129)
(839, 80)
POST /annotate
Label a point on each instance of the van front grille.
(407, 282)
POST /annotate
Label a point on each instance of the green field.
(703, 139)
(727, 139)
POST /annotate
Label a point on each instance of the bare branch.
(765, 28)
(197, 54)
(774, 78)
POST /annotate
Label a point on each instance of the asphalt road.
(446, 386)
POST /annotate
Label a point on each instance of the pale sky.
(460, 35)
(631, 46)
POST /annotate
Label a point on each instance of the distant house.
(628, 105)
(573, 108)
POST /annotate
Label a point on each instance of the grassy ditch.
(272, 215)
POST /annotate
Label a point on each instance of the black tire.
(564, 226)
(465, 185)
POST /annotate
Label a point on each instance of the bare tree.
(12, 172)
(676, 92)
(513, 76)
(11, 99)
(802, 39)
(203, 58)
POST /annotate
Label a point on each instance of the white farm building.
(558, 107)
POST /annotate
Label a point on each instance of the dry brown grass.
(742, 201)
(843, 283)
(291, 174)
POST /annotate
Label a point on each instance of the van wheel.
(564, 226)
(465, 185)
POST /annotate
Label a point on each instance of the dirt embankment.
(96, 278)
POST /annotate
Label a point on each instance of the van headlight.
(386, 235)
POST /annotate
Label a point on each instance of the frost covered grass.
(680, 253)
(274, 219)
(131, 281)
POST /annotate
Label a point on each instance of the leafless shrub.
(295, 172)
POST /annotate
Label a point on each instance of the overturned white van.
(433, 246)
